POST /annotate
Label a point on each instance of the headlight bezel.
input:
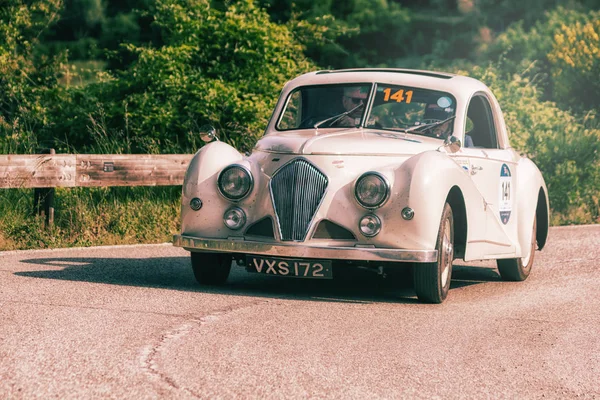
(249, 176)
(242, 218)
(385, 183)
(375, 220)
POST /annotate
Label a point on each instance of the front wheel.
(518, 269)
(211, 268)
(432, 280)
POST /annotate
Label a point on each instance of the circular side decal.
(444, 102)
(505, 203)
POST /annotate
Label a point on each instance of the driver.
(355, 97)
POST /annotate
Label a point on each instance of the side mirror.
(208, 133)
(452, 143)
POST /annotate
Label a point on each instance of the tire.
(432, 280)
(211, 268)
(518, 269)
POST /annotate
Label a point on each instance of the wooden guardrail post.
(43, 199)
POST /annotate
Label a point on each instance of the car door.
(493, 171)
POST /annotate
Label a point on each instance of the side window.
(482, 130)
(293, 112)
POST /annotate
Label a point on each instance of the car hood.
(354, 141)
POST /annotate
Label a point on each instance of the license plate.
(297, 268)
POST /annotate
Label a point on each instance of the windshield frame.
(364, 113)
(368, 109)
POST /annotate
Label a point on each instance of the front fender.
(201, 181)
(427, 179)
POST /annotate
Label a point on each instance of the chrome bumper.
(303, 251)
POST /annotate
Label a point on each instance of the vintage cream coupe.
(368, 167)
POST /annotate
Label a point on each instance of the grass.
(89, 217)
(86, 216)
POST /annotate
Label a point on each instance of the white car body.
(496, 195)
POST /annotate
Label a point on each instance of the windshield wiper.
(336, 117)
(428, 126)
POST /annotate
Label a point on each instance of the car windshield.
(326, 106)
(396, 108)
(414, 110)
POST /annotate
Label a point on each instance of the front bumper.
(304, 251)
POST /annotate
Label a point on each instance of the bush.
(223, 67)
(575, 60)
(26, 78)
(535, 53)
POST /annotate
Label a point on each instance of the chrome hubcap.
(447, 250)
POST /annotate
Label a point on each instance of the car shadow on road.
(350, 284)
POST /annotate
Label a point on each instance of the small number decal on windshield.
(399, 96)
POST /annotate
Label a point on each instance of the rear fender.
(532, 203)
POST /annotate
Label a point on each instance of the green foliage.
(350, 33)
(94, 216)
(223, 67)
(122, 25)
(575, 60)
(25, 79)
(520, 49)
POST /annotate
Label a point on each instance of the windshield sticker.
(505, 203)
(444, 102)
(400, 96)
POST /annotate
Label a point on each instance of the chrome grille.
(297, 189)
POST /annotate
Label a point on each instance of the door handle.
(475, 168)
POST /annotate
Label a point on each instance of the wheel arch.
(457, 203)
(543, 219)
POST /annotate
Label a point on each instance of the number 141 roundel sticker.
(505, 203)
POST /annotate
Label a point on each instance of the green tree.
(522, 49)
(354, 33)
(25, 78)
(575, 64)
(210, 65)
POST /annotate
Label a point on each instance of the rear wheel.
(518, 269)
(432, 280)
(211, 268)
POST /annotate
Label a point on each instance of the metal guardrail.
(45, 172)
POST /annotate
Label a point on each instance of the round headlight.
(234, 218)
(370, 225)
(235, 182)
(371, 190)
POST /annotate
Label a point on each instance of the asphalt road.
(130, 322)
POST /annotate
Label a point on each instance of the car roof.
(452, 83)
